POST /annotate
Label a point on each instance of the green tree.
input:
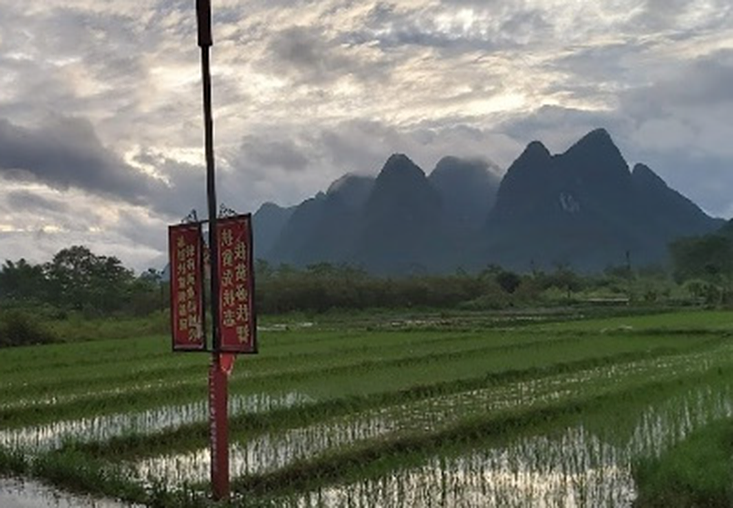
(22, 281)
(80, 279)
(509, 281)
(708, 257)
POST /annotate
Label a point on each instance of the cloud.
(307, 50)
(101, 103)
(681, 14)
(65, 152)
(184, 188)
(311, 158)
(26, 201)
(278, 153)
(38, 221)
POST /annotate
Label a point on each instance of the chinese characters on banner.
(237, 329)
(186, 283)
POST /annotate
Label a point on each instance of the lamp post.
(217, 377)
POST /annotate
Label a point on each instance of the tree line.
(76, 279)
(704, 264)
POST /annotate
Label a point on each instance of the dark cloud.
(27, 201)
(609, 64)
(704, 82)
(305, 48)
(313, 56)
(321, 154)
(185, 188)
(66, 152)
(140, 228)
(282, 153)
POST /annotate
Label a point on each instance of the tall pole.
(217, 378)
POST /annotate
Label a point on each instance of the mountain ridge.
(583, 207)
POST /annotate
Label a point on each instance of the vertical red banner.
(237, 324)
(186, 285)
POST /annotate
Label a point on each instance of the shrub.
(20, 329)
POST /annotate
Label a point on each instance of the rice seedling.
(459, 410)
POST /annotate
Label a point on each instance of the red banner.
(237, 328)
(186, 282)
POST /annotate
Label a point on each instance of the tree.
(22, 281)
(80, 279)
(708, 257)
(509, 281)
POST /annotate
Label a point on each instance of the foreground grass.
(698, 472)
(393, 456)
(74, 468)
(405, 368)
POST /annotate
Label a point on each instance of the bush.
(20, 329)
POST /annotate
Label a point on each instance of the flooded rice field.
(572, 468)
(269, 451)
(20, 493)
(51, 436)
(525, 416)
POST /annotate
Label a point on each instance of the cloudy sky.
(100, 101)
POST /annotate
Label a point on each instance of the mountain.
(391, 224)
(268, 223)
(352, 190)
(586, 209)
(401, 222)
(583, 208)
(322, 229)
(467, 188)
(727, 229)
(668, 211)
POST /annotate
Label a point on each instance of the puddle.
(18, 493)
(283, 327)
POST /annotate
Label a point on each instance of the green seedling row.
(358, 412)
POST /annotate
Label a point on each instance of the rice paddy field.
(420, 410)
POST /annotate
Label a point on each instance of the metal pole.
(217, 378)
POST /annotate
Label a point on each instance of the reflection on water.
(99, 428)
(270, 451)
(17, 493)
(264, 453)
(578, 467)
(575, 468)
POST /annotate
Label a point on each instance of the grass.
(697, 472)
(439, 385)
(105, 390)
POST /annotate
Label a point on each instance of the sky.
(101, 130)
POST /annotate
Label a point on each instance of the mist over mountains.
(583, 208)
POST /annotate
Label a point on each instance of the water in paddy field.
(574, 468)
(17, 493)
(271, 451)
(99, 428)
(266, 452)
